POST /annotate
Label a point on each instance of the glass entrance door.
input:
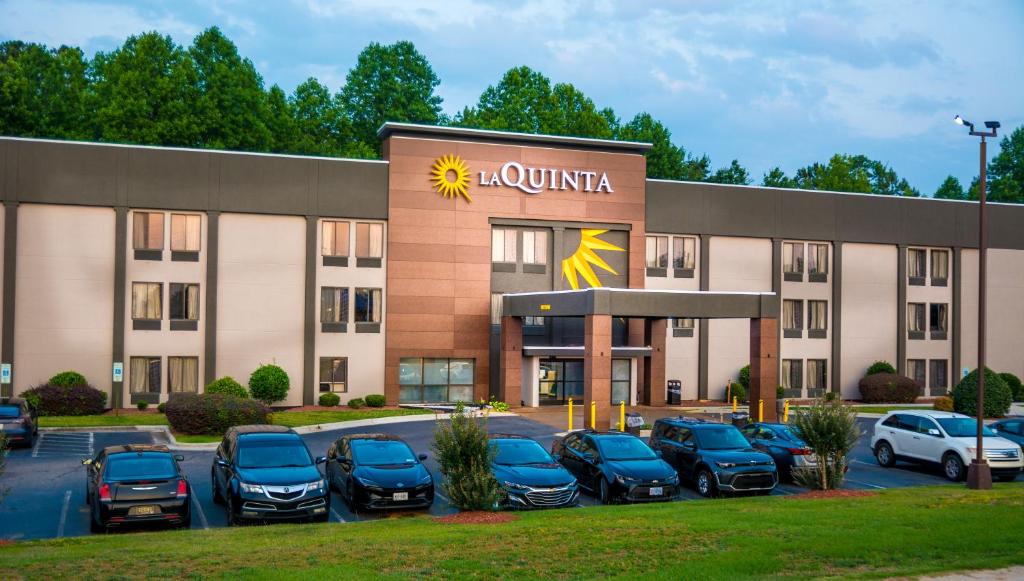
(561, 379)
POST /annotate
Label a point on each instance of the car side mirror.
(86, 462)
(221, 462)
(422, 457)
(179, 457)
(934, 432)
(321, 459)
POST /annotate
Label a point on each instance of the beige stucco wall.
(365, 351)
(1005, 317)
(260, 297)
(805, 348)
(682, 354)
(64, 294)
(869, 311)
(737, 264)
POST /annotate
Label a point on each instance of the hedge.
(744, 377)
(356, 403)
(1016, 387)
(68, 379)
(888, 388)
(227, 385)
(375, 400)
(213, 413)
(881, 367)
(75, 400)
(329, 399)
(997, 395)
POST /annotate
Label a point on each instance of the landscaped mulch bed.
(816, 494)
(477, 517)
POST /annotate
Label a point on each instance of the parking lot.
(45, 486)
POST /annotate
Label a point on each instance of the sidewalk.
(1007, 574)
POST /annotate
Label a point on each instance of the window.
(333, 304)
(183, 374)
(620, 380)
(682, 323)
(792, 315)
(817, 313)
(185, 232)
(368, 303)
(369, 240)
(503, 245)
(792, 374)
(496, 307)
(184, 302)
(939, 380)
(792, 258)
(940, 267)
(334, 374)
(144, 374)
(817, 259)
(146, 301)
(334, 238)
(817, 374)
(915, 318)
(435, 380)
(937, 318)
(915, 370)
(533, 321)
(683, 250)
(657, 252)
(916, 263)
(148, 231)
(535, 247)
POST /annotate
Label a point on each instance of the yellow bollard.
(760, 410)
(734, 402)
(622, 416)
(785, 412)
(570, 414)
(593, 415)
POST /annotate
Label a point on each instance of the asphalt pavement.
(45, 485)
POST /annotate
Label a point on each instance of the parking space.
(46, 485)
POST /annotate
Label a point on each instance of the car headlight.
(314, 486)
(251, 488)
(368, 483)
(515, 485)
(426, 478)
(673, 479)
(725, 464)
(622, 479)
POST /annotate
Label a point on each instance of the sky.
(770, 83)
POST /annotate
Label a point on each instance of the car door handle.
(917, 438)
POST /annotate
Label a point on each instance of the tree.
(42, 91)
(776, 178)
(665, 160)
(269, 384)
(519, 102)
(280, 121)
(318, 120)
(231, 108)
(145, 92)
(1006, 170)
(389, 83)
(734, 173)
(830, 430)
(950, 189)
(573, 113)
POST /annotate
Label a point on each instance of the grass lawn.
(290, 419)
(122, 419)
(196, 439)
(899, 532)
(310, 418)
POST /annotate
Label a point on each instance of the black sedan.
(529, 476)
(616, 467)
(18, 421)
(136, 484)
(783, 444)
(378, 472)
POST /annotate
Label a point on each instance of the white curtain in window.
(327, 239)
(793, 257)
(183, 374)
(376, 240)
(138, 374)
(153, 310)
(376, 301)
(915, 317)
(792, 315)
(540, 247)
(817, 258)
(915, 263)
(940, 264)
(192, 302)
(652, 252)
(787, 372)
(819, 315)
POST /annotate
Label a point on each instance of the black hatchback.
(18, 421)
(136, 484)
(378, 471)
(616, 466)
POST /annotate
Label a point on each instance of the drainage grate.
(73, 444)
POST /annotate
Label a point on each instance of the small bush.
(830, 396)
(329, 399)
(1016, 387)
(76, 400)
(375, 400)
(830, 430)
(881, 367)
(997, 395)
(68, 379)
(213, 413)
(737, 391)
(142, 405)
(943, 404)
(228, 386)
(161, 407)
(744, 377)
(780, 392)
(269, 384)
(464, 457)
(888, 388)
(356, 403)
(498, 406)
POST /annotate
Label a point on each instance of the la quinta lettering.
(534, 180)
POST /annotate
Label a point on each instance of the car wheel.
(885, 455)
(230, 507)
(217, 497)
(350, 497)
(606, 493)
(953, 467)
(706, 483)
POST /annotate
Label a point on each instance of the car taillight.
(105, 492)
(799, 451)
(182, 489)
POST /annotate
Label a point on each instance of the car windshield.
(381, 453)
(624, 448)
(724, 438)
(128, 467)
(273, 454)
(963, 427)
(9, 411)
(519, 452)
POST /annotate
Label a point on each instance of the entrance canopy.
(642, 303)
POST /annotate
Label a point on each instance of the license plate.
(400, 496)
(143, 510)
(657, 491)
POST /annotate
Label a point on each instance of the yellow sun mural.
(580, 261)
(447, 187)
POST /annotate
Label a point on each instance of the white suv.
(943, 438)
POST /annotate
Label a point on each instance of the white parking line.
(202, 515)
(336, 515)
(64, 514)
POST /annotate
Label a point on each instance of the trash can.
(634, 421)
(675, 392)
(739, 419)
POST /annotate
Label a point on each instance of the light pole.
(979, 474)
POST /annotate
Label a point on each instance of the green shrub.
(464, 458)
(830, 430)
(943, 404)
(213, 413)
(498, 406)
(161, 407)
(142, 405)
(356, 403)
(75, 400)
(329, 399)
(736, 390)
(881, 367)
(68, 379)
(1016, 387)
(744, 378)
(375, 400)
(780, 392)
(888, 388)
(269, 384)
(830, 396)
(997, 395)
(228, 386)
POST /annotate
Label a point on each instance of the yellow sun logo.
(451, 164)
(586, 255)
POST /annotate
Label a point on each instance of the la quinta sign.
(534, 180)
